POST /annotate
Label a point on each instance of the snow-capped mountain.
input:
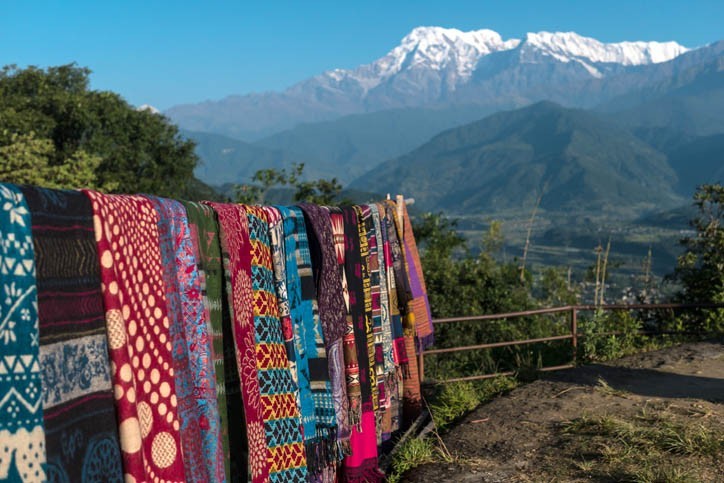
(435, 66)
(455, 54)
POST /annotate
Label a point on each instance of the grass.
(451, 402)
(650, 447)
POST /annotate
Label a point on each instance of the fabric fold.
(236, 249)
(22, 436)
(81, 435)
(127, 237)
(195, 382)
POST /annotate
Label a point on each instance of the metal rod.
(553, 310)
(497, 344)
(574, 333)
(421, 364)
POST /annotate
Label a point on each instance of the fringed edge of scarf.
(368, 472)
(323, 450)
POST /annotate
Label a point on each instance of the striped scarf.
(332, 311)
(235, 246)
(282, 422)
(412, 396)
(77, 397)
(22, 438)
(361, 464)
(400, 365)
(377, 327)
(318, 416)
(195, 385)
(126, 231)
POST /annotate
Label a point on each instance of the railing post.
(574, 332)
(421, 364)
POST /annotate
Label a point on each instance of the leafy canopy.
(55, 131)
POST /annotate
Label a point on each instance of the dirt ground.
(522, 436)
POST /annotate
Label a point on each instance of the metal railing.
(572, 335)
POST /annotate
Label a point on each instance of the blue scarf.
(318, 416)
(22, 436)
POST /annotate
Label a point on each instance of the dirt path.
(648, 417)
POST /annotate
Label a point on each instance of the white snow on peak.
(570, 45)
(148, 107)
(455, 54)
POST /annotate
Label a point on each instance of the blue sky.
(166, 53)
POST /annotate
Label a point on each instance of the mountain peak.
(566, 46)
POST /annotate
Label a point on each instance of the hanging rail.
(572, 335)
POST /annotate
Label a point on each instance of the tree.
(264, 181)
(51, 122)
(701, 268)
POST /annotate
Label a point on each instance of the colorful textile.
(194, 371)
(81, 434)
(376, 301)
(282, 422)
(396, 362)
(419, 305)
(317, 405)
(126, 231)
(361, 464)
(236, 249)
(205, 237)
(22, 439)
(412, 396)
(395, 271)
(327, 273)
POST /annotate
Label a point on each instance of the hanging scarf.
(351, 360)
(419, 306)
(22, 438)
(126, 231)
(400, 365)
(205, 237)
(412, 396)
(382, 420)
(326, 272)
(194, 371)
(281, 415)
(361, 464)
(278, 251)
(320, 430)
(236, 249)
(81, 435)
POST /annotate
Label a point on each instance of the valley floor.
(656, 416)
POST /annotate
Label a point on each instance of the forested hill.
(580, 160)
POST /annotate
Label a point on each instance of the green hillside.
(583, 162)
(352, 145)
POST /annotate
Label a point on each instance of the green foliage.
(321, 191)
(597, 343)
(413, 452)
(52, 123)
(700, 269)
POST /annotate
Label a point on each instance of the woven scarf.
(236, 249)
(282, 422)
(412, 396)
(382, 418)
(194, 370)
(22, 439)
(205, 237)
(399, 352)
(322, 453)
(419, 305)
(81, 434)
(327, 272)
(126, 232)
(361, 464)
(351, 362)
